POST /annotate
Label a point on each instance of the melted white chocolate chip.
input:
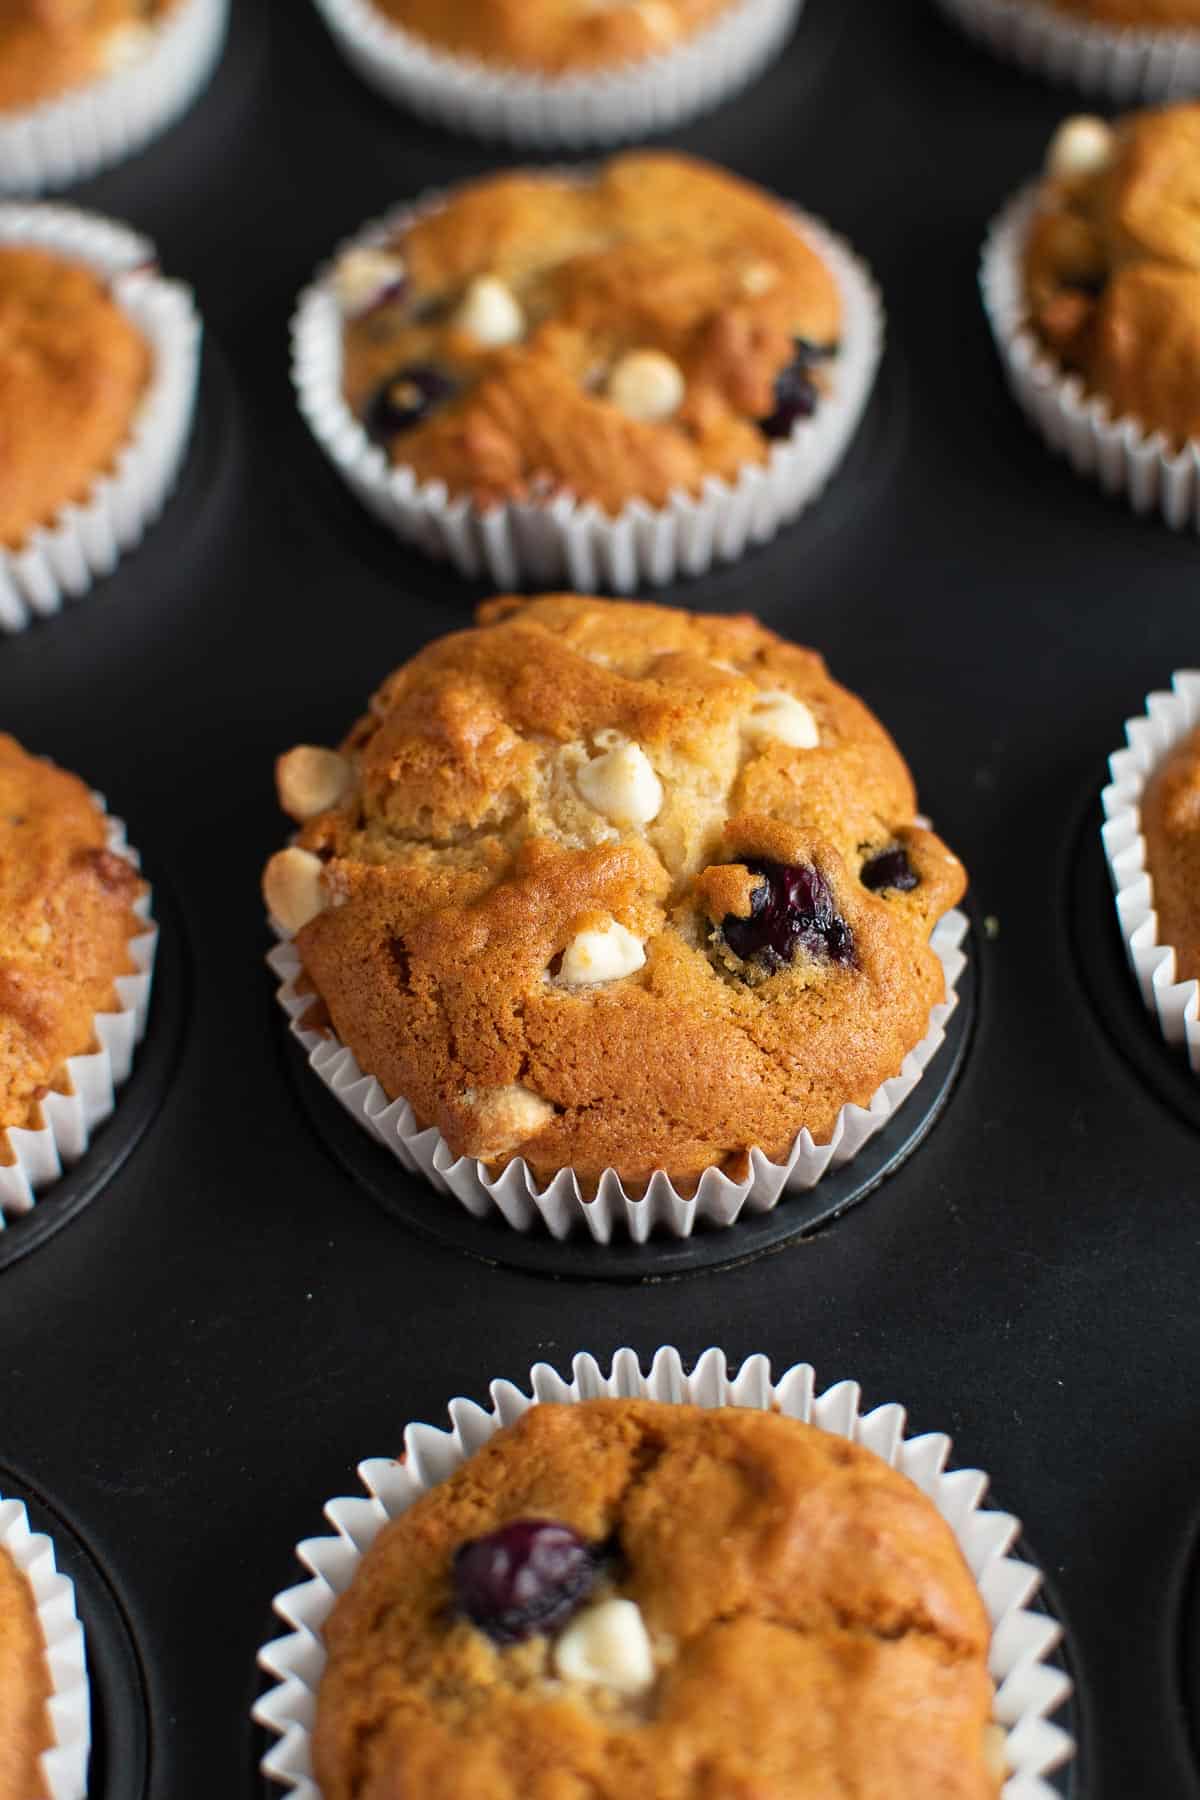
(505, 1117)
(127, 45)
(779, 716)
(622, 785)
(363, 276)
(601, 955)
(310, 780)
(646, 385)
(490, 313)
(607, 1645)
(293, 889)
(1081, 146)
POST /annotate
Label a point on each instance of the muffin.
(603, 886)
(1171, 824)
(632, 1599)
(1138, 15)
(655, 332)
(550, 38)
(73, 371)
(1126, 50)
(67, 915)
(50, 46)
(24, 1687)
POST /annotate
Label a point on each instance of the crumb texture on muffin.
(553, 37)
(48, 47)
(1112, 263)
(593, 890)
(813, 1629)
(614, 337)
(73, 369)
(1171, 826)
(24, 1688)
(66, 917)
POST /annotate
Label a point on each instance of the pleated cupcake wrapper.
(64, 1764)
(1118, 453)
(563, 540)
(1028, 1687)
(600, 107)
(60, 561)
(559, 1206)
(1126, 66)
(72, 136)
(70, 1118)
(1151, 737)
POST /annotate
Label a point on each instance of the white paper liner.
(1028, 1689)
(71, 136)
(64, 1764)
(599, 107)
(1117, 452)
(69, 1119)
(560, 1206)
(1151, 737)
(562, 540)
(1127, 65)
(60, 561)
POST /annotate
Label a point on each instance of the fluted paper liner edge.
(1150, 737)
(64, 1764)
(69, 1119)
(75, 134)
(1127, 66)
(62, 560)
(562, 540)
(1028, 1687)
(613, 106)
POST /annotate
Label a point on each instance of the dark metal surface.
(200, 1361)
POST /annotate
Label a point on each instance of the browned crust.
(1171, 826)
(24, 1688)
(549, 37)
(48, 47)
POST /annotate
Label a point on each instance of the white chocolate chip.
(995, 1751)
(1081, 146)
(361, 277)
(647, 385)
(490, 313)
(603, 955)
(659, 19)
(782, 717)
(503, 1118)
(310, 780)
(293, 889)
(608, 1645)
(127, 45)
(622, 785)
(758, 278)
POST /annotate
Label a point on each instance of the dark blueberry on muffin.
(890, 869)
(791, 909)
(527, 1577)
(406, 398)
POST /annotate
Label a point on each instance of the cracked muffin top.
(607, 884)
(24, 1688)
(1112, 263)
(615, 337)
(1171, 827)
(627, 1600)
(50, 46)
(66, 917)
(73, 369)
(553, 37)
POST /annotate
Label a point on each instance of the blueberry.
(528, 1577)
(791, 909)
(890, 869)
(797, 395)
(406, 398)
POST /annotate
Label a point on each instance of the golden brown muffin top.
(617, 337)
(553, 37)
(803, 1605)
(521, 887)
(73, 368)
(1142, 15)
(1171, 826)
(24, 1688)
(1113, 263)
(66, 917)
(50, 46)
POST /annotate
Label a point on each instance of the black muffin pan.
(244, 1298)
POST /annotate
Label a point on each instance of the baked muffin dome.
(50, 46)
(24, 1688)
(66, 917)
(1171, 826)
(607, 884)
(1113, 263)
(549, 37)
(73, 369)
(733, 1603)
(616, 336)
